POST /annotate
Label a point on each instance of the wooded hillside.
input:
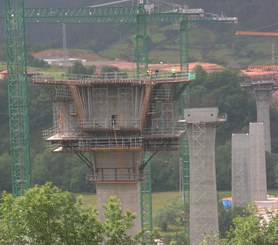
(208, 41)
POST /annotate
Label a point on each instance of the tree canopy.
(253, 229)
(47, 215)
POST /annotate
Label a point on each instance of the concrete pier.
(249, 166)
(128, 194)
(262, 102)
(240, 170)
(115, 120)
(262, 89)
(258, 188)
(201, 129)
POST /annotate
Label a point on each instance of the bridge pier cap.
(205, 114)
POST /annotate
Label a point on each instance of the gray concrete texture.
(129, 196)
(248, 166)
(117, 173)
(240, 170)
(262, 103)
(258, 189)
(201, 128)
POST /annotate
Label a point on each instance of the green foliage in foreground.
(47, 215)
(251, 229)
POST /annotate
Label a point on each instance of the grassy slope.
(160, 199)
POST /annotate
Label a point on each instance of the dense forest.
(208, 42)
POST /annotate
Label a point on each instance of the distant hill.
(209, 42)
(72, 53)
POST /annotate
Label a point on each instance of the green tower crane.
(17, 96)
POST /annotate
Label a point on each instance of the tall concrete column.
(258, 188)
(262, 102)
(127, 193)
(116, 175)
(240, 170)
(262, 89)
(201, 128)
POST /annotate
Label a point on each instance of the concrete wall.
(201, 114)
(121, 165)
(262, 103)
(258, 186)
(129, 195)
(102, 104)
(240, 170)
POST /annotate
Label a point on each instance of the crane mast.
(17, 96)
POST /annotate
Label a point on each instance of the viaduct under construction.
(115, 119)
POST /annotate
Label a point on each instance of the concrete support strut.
(262, 90)
(262, 102)
(127, 193)
(258, 188)
(240, 170)
(248, 166)
(201, 129)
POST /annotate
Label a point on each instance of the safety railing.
(222, 117)
(160, 131)
(115, 76)
(60, 133)
(108, 143)
(110, 123)
(115, 174)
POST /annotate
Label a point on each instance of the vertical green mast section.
(184, 45)
(141, 40)
(146, 195)
(185, 168)
(17, 96)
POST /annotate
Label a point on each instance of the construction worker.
(156, 72)
(148, 73)
(98, 72)
(173, 71)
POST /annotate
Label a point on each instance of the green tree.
(271, 170)
(79, 68)
(165, 167)
(168, 215)
(253, 229)
(117, 224)
(47, 215)
(34, 62)
(223, 165)
(5, 173)
(65, 171)
(226, 216)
